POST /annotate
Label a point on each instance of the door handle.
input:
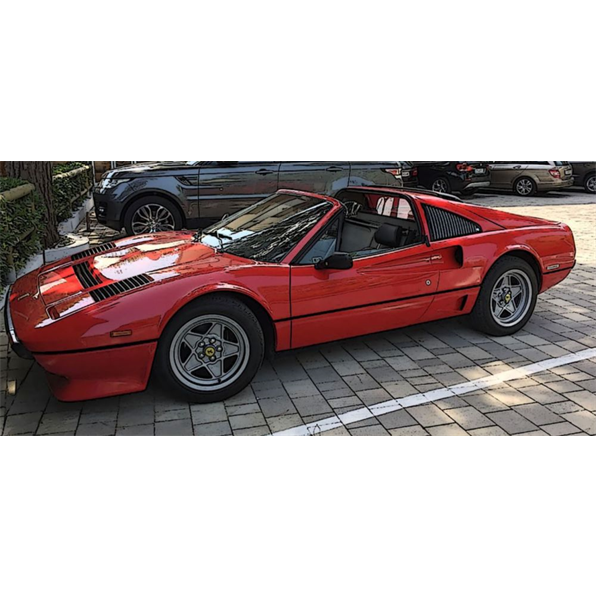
(335, 169)
(436, 259)
(264, 172)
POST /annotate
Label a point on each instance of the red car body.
(96, 345)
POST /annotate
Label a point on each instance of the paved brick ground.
(306, 386)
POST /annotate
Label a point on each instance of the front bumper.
(108, 213)
(16, 346)
(81, 376)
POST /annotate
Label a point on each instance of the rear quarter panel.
(552, 249)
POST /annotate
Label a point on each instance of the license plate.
(479, 171)
(568, 173)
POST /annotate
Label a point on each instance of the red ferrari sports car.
(297, 269)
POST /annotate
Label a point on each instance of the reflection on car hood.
(151, 259)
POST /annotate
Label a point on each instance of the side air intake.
(444, 224)
(120, 287)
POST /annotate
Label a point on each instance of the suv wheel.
(441, 185)
(150, 215)
(591, 183)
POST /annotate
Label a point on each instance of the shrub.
(21, 222)
(68, 189)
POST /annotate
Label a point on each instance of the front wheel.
(507, 299)
(150, 215)
(211, 350)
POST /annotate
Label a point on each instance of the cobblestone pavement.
(307, 386)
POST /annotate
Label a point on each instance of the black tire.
(176, 218)
(225, 306)
(482, 317)
(524, 183)
(441, 185)
(590, 184)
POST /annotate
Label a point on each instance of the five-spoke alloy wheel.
(507, 299)
(211, 350)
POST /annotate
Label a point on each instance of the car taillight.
(464, 167)
(394, 172)
(555, 173)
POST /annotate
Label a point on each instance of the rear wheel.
(441, 185)
(525, 187)
(507, 299)
(150, 215)
(211, 350)
(591, 183)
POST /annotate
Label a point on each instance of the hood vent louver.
(94, 251)
(86, 277)
(120, 287)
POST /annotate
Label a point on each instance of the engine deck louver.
(86, 276)
(444, 225)
(120, 287)
(94, 251)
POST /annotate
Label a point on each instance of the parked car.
(526, 178)
(294, 270)
(584, 174)
(164, 196)
(462, 177)
(409, 174)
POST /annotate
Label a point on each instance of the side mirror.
(339, 261)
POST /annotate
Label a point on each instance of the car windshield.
(269, 230)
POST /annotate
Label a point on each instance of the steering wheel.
(352, 208)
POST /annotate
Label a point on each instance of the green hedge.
(67, 190)
(16, 219)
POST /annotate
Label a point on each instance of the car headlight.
(108, 183)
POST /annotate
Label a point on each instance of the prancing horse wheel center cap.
(210, 352)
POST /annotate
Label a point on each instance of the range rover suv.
(161, 196)
(584, 174)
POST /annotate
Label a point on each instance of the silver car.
(526, 178)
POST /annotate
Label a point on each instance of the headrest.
(388, 235)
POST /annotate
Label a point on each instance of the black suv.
(464, 177)
(162, 196)
(584, 174)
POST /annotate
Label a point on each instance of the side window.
(444, 225)
(324, 246)
(395, 207)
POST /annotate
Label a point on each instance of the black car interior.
(366, 231)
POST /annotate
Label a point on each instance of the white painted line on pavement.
(420, 399)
